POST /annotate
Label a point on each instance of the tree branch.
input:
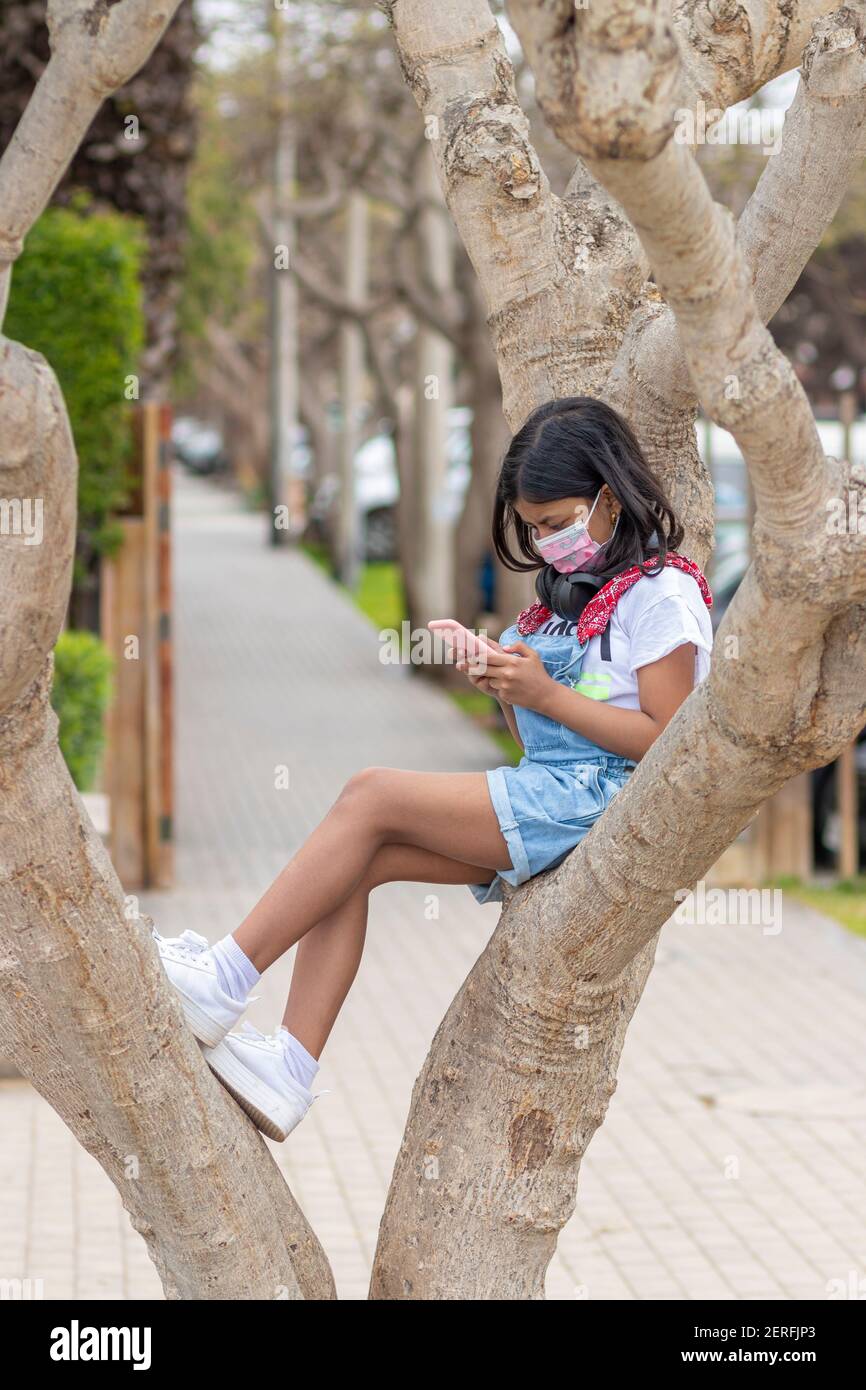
(560, 276)
(94, 50)
(799, 192)
(732, 48)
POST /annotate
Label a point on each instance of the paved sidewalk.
(731, 1164)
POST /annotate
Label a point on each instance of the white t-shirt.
(658, 614)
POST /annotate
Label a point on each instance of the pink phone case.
(460, 638)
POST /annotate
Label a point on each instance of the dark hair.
(569, 448)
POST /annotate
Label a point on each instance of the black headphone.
(567, 594)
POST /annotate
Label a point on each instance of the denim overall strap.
(544, 740)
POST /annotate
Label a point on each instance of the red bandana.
(596, 615)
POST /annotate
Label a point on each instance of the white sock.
(236, 973)
(301, 1065)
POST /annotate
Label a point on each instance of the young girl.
(587, 679)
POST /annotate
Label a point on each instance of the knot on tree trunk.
(29, 721)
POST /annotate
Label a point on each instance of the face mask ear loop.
(602, 544)
(588, 518)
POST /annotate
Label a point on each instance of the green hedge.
(76, 298)
(80, 696)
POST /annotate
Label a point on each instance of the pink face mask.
(570, 549)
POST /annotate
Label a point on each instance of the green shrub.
(80, 696)
(76, 298)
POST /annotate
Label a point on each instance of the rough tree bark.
(524, 1063)
(85, 1010)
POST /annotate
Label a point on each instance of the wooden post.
(150, 636)
(164, 868)
(783, 831)
(124, 771)
(848, 857)
(135, 620)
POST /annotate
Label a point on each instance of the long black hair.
(569, 448)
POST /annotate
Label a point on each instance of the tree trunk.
(284, 525)
(349, 538)
(434, 366)
(489, 441)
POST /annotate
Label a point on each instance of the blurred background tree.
(98, 299)
(76, 298)
(134, 157)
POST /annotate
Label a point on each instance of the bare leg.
(448, 813)
(328, 957)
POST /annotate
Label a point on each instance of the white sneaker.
(253, 1069)
(189, 963)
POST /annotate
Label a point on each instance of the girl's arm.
(662, 687)
(481, 682)
(510, 720)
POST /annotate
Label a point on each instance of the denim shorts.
(562, 784)
(545, 809)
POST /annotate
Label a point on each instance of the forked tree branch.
(560, 276)
(732, 48)
(798, 194)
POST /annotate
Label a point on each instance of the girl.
(587, 679)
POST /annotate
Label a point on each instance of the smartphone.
(463, 642)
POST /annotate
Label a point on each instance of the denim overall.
(558, 790)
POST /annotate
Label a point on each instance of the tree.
(524, 1063)
(85, 1010)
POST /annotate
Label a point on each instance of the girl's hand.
(477, 676)
(516, 675)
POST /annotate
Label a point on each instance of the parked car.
(377, 486)
(199, 446)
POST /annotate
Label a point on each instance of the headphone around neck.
(567, 594)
